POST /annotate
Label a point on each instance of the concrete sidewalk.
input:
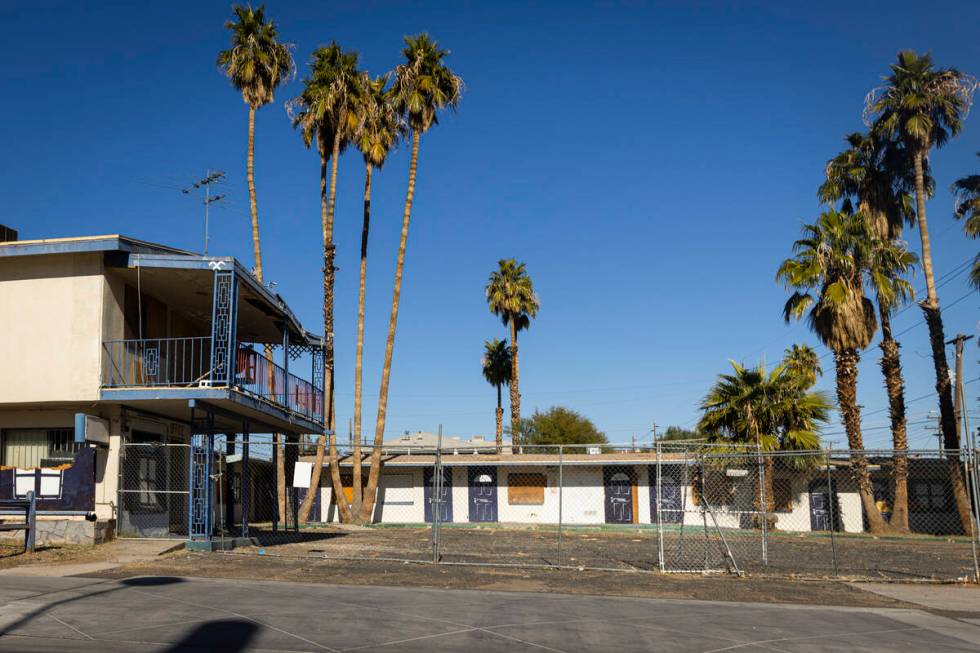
(960, 600)
(170, 613)
(111, 555)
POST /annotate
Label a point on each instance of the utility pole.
(209, 178)
(654, 431)
(958, 381)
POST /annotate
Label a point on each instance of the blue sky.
(651, 163)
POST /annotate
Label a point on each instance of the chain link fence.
(673, 507)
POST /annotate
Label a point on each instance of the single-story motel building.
(621, 488)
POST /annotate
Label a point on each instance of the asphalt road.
(168, 613)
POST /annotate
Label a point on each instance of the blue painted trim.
(180, 262)
(80, 428)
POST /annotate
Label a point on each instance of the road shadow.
(226, 635)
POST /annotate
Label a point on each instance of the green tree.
(496, 370)
(559, 425)
(423, 86)
(676, 433)
(510, 295)
(323, 114)
(967, 193)
(876, 174)
(923, 107)
(377, 135)
(827, 278)
(257, 63)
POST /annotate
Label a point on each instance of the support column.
(246, 479)
(229, 482)
(201, 494)
(224, 319)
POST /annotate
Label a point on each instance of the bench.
(29, 525)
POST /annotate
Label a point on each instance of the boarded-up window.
(526, 489)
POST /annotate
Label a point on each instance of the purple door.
(446, 495)
(483, 494)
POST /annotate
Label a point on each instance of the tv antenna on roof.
(209, 179)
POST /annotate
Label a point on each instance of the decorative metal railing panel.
(155, 362)
(187, 363)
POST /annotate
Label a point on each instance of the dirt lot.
(564, 581)
(788, 555)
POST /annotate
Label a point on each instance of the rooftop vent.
(7, 234)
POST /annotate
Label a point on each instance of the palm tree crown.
(967, 191)
(510, 294)
(333, 87)
(424, 84)
(831, 259)
(256, 63)
(877, 173)
(803, 363)
(380, 124)
(771, 409)
(920, 104)
(496, 362)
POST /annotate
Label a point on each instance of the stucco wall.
(51, 331)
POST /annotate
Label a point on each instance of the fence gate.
(153, 488)
(708, 511)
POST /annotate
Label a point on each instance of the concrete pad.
(960, 598)
(70, 569)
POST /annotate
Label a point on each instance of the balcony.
(186, 363)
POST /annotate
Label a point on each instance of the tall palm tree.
(967, 192)
(510, 295)
(377, 135)
(803, 363)
(496, 364)
(323, 114)
(830, 261)
(924, 107)
(775, 411)
(875, 172)
(423, 86)
(257, 63)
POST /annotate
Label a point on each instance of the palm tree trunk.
(891, 369)
(937, 339)
(359, 352)
(257, 251)
(500, 421)
(326, 223)
(367, 509)
(515, 393)
(252, 201)
(846, 361)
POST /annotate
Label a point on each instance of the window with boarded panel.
(526, 489)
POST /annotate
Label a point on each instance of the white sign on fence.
(302, 474)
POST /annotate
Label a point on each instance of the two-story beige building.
(109, 346)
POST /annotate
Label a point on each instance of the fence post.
(31, 539)
(437, 498)
(968, 475)
(660, 521)
(831, 499)
(764, 505)
(561, 498)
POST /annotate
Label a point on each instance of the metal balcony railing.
(186, 363)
